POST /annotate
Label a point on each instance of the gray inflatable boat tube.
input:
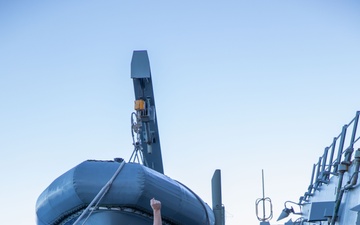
(133, 188)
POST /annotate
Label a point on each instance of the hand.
(155, 204)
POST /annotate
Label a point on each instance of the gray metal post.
(350, 149)
(324, 159)
(217, 206)
(332, 154)
(341, 147)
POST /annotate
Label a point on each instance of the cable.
(100, 195)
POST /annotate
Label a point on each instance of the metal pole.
(263, 187)
(218, 208)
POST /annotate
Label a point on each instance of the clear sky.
(240, 86)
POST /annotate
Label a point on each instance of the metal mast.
(147, 142)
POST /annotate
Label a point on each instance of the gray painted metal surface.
(334, 191)
(150, 143)
(218, 208)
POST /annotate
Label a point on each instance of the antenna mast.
(264, 219)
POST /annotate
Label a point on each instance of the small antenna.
(263, 200)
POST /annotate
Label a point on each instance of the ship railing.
(339, 152)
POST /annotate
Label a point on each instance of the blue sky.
(240, 86)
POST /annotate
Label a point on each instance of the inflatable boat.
(125, 202)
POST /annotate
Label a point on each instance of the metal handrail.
(327, 166)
